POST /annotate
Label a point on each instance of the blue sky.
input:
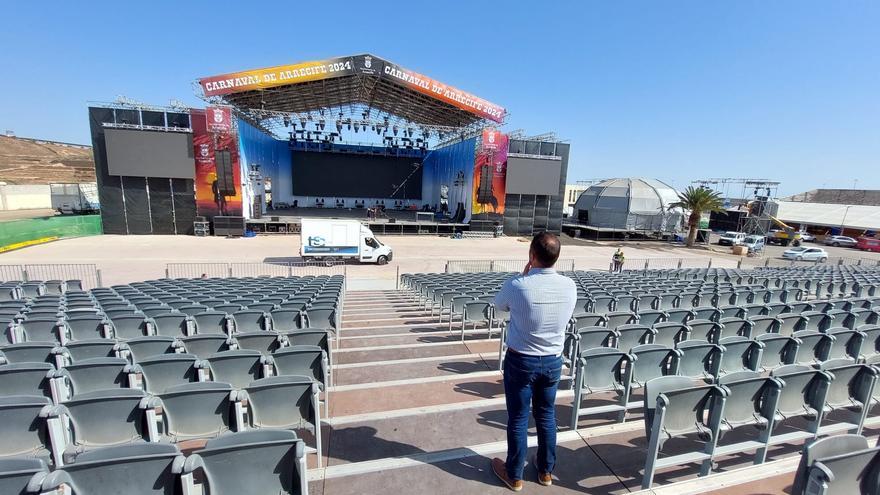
(677, 90)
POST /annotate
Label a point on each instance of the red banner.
(219, 119)
(218, 185)
(490, 176)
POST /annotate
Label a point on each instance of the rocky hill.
(35, 161)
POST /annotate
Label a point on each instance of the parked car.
(840, 240)
(755, 243)
(869, 244)
(731, 238)
(807, 237)
(806, 254)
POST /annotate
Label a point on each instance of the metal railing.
(477, 266)
(258, 269)
(88, 274)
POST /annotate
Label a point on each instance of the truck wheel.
(785, 243)
(796, 243)
(382, 260)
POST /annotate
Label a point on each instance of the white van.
(731, 239)
(755, 243)
(328, 239)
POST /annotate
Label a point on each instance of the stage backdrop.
(490, 177)
(218, 175)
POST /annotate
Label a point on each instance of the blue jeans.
(530, 379)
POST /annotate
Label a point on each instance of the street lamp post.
(843, 221)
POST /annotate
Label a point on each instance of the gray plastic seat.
(799, 307)
(287, 402)
(321, 317)
(850, 390)
(302, 361)
(312, 337)
(776, 309)
(733, 327)
(476, 312)
(161, 372)
(755, 309)
(26, 379)
(588, 338)
(22, 475)
(265, 341)
(705, 330)
(211, 323)
(250, 320)
(588, 320)
(679, 315)
(846, 344)
(630, 336)
(863, 316)
(789, 323)
(676, 406)
(256, 461)
(94, 374)
(764, 324)
(699, 359)
(31, 352)
(813, 347)
(670, 333)
(285, 320)
(605, 304)
(129, 326)
(802, 395)
(617, 318)
(817, 321)
(667, 301)
(237, 368)
(650, 361)
(25, 429)
(144, 347)
(86, 327)
(171, 324)
(837, 464)
(106, 417)
(740, 354)
(778, 350)
(41, 330)
(706, 313)
(143, 468)
(197, 410)
(598, 370)
(871, 342)
(651, 316)
(193, 309)
(732, 311)
(205, 345)
(80, 350)
(751, 402)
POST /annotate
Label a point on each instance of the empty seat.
(171, 324)
(211, 322)
(93, 374)
(670, 333)
(813, 346)
(32, 352)
(630, 336)
(733, 327)
(205, 345)
(699, 359)
(265, 341)
(86, 327)
(802, 396)
(135, 468)
(284, 320)
(764, 324)
(129, 326)
(239, 367)
(846, 343)
(321, 317)
(106, 417)
(588, 320)
(732, 311)
(674, 407)
(838, 464)
(250, 320)
(817, 321)
(22, 475)
(850, 391)
(601, 370)
(25, 429)
(751, 402)
(740, 354)
(39, 330)
(192, 309)
(650, 317)
(26, 379)
(755, 309)
(706, 313)
(159, 373)
(650, 361)
(197, 410)
(288, 402)
(679, 315)
(257, 461)
(790, 323)
(144, 347)
(705, 330)
(778, 350)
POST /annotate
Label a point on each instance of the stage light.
(286, 120)
(409, 131)
(440, 135)
(394, 129)
(302, 122)
(339, 126)
(378, 130)
(321, 124)
(355, 127)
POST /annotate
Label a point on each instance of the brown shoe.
(546, 479)
(501, 472)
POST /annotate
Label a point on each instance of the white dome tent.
(630, 204)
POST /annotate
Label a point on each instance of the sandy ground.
(124, 259)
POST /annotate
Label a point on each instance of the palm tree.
(697, 200)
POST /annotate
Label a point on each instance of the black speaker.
(229, 226)
(484, 191)
(225, 176)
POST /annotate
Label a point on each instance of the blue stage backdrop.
(273, 156)
(451, 166)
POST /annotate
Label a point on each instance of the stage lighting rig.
(302, 122)
(339, 126)
(321, 123)
(394, 129)
(286, 120)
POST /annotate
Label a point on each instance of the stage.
(394, 222)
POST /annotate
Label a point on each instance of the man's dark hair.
(546, 248)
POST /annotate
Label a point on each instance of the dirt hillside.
(34, 161)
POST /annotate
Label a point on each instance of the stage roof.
(365, 82)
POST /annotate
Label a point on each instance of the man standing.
(541, 303)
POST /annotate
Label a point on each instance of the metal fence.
(88, 274)
(477, 266)
(265, 269)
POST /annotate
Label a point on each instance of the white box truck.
(327, 239)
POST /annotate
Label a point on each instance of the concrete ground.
(124, 259)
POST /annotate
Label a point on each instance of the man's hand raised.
(527, 268)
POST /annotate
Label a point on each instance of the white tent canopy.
(629, 204)
(830, 215)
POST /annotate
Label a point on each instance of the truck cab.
(372, 249)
